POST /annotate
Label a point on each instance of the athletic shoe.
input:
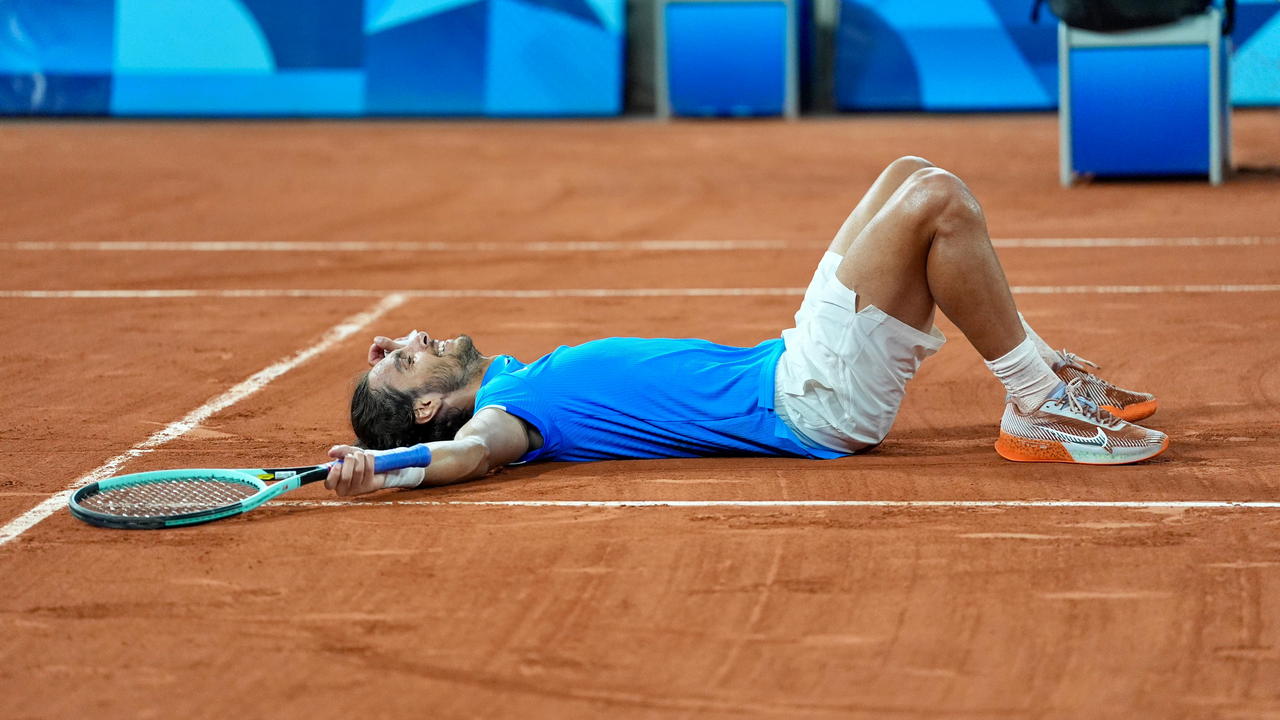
(1069, 428)
(1124, 404)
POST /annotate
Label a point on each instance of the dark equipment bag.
(1113, 15)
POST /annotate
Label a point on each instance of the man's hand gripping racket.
(175, 498)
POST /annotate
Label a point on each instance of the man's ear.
(426, 407)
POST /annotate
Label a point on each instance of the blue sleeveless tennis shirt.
(646, 398)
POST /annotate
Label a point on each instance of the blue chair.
(726, 58)
(1153, 101)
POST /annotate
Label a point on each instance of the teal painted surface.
(1255, 70)
(180, 36)
(298, 92)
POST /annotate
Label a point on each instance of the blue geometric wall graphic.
(320, 57)
(963, 54)
(1250, 17)
(611, 13)
(381, 15)
(50, 94)
(575, 8)
(1036, 42)
(68, 36)
(1255, 71)
(505, 57)
(543, 61)
(493, 57)
(430, 65)
(56, 58)
(326, 34)
(166, 36)
(874, 68)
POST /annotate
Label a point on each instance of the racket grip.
(416, 456)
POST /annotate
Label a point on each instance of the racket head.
(166, 498)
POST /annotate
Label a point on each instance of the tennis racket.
(176, 498)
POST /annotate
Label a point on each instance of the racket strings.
(169, 497)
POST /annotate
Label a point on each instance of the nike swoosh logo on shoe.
(1100, 439)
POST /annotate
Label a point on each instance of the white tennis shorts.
(843, 374)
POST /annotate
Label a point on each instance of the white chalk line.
(1121, 504)
(1123, 242)
(570, 246)
(551, 293)
(178, 428)
(304, 246)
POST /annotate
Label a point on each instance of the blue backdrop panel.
(957, 55)
(319, 34)
(432, 65)
(314, 92)
(545, 61)
(323, 57)
(495, 57)
(988, 55)
(51, 94)
(1140, 111)
(55, 58)
(726, 58)
(1255, 69)
(237, 57)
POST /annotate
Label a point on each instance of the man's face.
(417, 361)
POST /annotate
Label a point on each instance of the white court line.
(480, 293)
(515, 247)
(1119, 242)
(499, 294)
(178, 428)
(1123, 504)
(512, 247)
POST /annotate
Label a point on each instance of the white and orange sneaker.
(1124, 404)
(1070, 428)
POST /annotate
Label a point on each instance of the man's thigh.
(845, 369)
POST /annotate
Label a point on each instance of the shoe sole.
(1020, 449)
(1134, 412)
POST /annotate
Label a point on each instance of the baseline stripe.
(346, 246)
(178, 428)
(395, 246)
(481, 293)
(1118, 242)
(1122, 504)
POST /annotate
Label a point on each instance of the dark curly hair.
(382, 418)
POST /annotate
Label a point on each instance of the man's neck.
(466, 397)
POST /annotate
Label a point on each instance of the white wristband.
(410, 477)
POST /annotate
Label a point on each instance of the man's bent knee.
(937, 192)
(904, 166)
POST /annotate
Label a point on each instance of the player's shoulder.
(496, 422)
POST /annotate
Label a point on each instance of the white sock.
(1025, 374)
(1050, 355)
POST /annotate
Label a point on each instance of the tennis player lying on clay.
(828, 387)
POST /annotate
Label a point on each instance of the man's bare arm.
(491, 439)
(488, 441)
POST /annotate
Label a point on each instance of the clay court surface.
(150, 268)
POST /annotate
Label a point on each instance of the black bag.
(1112, 15)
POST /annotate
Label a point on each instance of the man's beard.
(458, 374)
